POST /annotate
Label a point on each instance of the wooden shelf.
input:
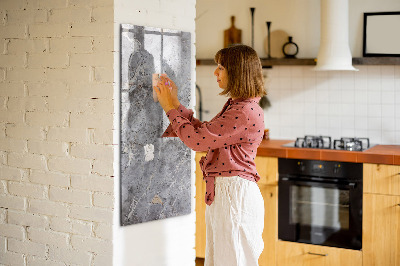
(312, 61)
(376, 61)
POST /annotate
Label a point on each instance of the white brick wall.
(56, 124)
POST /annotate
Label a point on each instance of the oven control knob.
(336, 169)
(302, 167)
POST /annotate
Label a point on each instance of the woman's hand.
(174, 91)
(164, 94)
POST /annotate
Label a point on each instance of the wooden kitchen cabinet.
(270, 233)
(200, 209)
(381, 230)
(267, 168)
(381, 215)
(298, 254)
(381, 179)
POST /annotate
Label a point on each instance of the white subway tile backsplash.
(310, 95)
(297, 97)
(374, 97)
(348, 133)
(389, 136)
(310, 130)
(335, 122)
(374, 84)
(397, 133)
(360, 79)
(361, 110)
(375, 136)
(308, 72)
(361, 123)
(334, 109)
(338, 104)
(310, 109)
(387, 72)
(285, 132)
(322, 74)
(271, 83)
(388, 124)
(397, 96)
(335, 95)
(334, 76)
(284, 72)
(388, 97)
(297, 83)
(397, 123)
(360, 97)
(397, 72)
(374, 111)
(297, 72)
(286, 120)
(322, 109)
(348, 122)
(388, 84)
(285, 83)
(322, 121)
(297, 121)
(388, 111)
(373, 70)
(348, 96)
(374, 123)
(360, 133)
(347, 77)
(347, 110)
(397, 110)
(322, 95)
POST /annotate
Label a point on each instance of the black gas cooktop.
(325, 142)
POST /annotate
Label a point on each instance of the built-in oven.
(320, 202)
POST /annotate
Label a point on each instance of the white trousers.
(234, 223)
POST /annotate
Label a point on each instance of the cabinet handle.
(318, 254)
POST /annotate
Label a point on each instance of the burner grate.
(320, 142)
(324, 142)
(351, 144)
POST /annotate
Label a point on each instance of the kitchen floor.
(199, 262)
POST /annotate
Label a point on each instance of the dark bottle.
(290, 49)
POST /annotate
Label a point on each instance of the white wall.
(338, 104)
(170, 241)
(299, 18)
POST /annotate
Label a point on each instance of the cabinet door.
(270, 233)
(381, 179)
(381, 230)
(297, 254)
(200, 209)
(267, 168)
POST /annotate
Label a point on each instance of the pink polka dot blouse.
(231, 139)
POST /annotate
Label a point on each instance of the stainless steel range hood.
(334, 51)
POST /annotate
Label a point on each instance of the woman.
(235, 207)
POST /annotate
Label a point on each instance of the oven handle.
(297, 181)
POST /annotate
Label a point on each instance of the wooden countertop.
(379, 154)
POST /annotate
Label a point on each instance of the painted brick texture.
(56, 127)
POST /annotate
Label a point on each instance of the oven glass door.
(319, 212)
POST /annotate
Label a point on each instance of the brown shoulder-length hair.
(245, 78)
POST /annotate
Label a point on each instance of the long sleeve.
(187, 113)
(224, 130)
